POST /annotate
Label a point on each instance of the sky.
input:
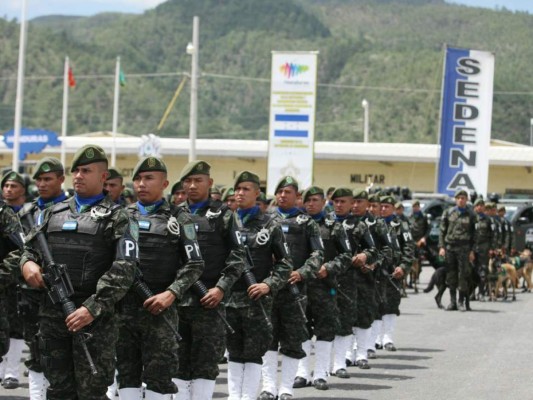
(35, 8)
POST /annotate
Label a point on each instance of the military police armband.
(236, 236)
(369, 239)
(190, 244)
(127, 247)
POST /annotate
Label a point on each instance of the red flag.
(71, 79)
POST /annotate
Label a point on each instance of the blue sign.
(31, 141)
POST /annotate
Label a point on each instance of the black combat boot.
(467, 303)
(462, 296)
(453, 301)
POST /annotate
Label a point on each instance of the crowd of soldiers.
(114, 289)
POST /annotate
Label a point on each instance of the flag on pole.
(71, 79)
(122, 78)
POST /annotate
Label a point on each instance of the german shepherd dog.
(438, 279)
(505, 274)
(524, 268)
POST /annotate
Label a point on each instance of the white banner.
(292, 118)
(466, 118)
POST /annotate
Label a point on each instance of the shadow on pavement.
(356, 386)
(387, 377)
(397, 366)
(402, 357)
(420, 350)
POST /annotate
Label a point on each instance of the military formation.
(127, 291)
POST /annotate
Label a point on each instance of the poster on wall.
(466, 117)
(292, 118)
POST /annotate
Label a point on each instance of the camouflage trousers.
(322, 311)
(289, 328)
(347, 303)
(147, 350)
(4, 327)
(458, 268)
(29, 307)
(252, 334)
(15, 322)
(64, 361)
(203, 343)
(389, 295)
(366, 304)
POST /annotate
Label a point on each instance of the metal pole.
(193, 120)
(20, 89)
(365, 121)
(115, 113)
(65, 113)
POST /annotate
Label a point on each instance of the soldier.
(307, 253)
(509, 243)
(499, 229)
(97, 242)
(114, 185)
(367, 302)
(14, 192)
(322, 311)
(147, 350)
(419, 226)
(228, 197)
(200, 326)
(262, 202)
(483, 245)
(364, 255)
(456, 242)
(49, 177)
(249, 306)
(178, 194)
(403, 248)
(215, 194)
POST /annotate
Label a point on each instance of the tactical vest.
(294, 229)
(326, 232)
(253, 235)
(482, 233)
(159, 251)
(214, 249)
(78, 241)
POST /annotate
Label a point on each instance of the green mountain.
(389, 52)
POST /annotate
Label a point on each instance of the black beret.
(287, 181)
(227, 192)
(263, 198)
(88, 154)
(246, 176)
(374, 198)
(178, 186)
(360, 194)
(312, 191)
(149, 164)
(387, 200)
(112, 173)
(198, 167)
(13, 176)
(342, 192)
(48, 164)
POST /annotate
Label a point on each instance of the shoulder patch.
(189, 231)
(134, 230)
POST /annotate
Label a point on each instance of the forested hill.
(388, 52)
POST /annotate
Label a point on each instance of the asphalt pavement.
(478, 355)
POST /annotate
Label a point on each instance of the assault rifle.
(59, 287)
(201, 290)
(295, 291)
(144, 292)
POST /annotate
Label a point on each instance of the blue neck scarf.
(45, 203)
(461, 210)
(151, 208)
(340, 218)
(389, 218)
(288, 213)
(418, 213)
(320, 216)
(197, 206)
(246, 214)
(16, 209)
(84, 203)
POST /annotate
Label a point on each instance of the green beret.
(227, 192)
(149, 164)
(374, 198)
(399, 205)
(246, 176)
(198, 167)
(360, 194)
(501, 207)
(177, 187)
(88, 154)
(13, 176)
(112, 173)
(215, 190)
(48, 164)
(263, 198)
(479, 202)
(387, 200)
(342, 192)
(489, 205)
(416, 203)
(127, 192)
(287, 181)
(312, 191)
(461, 192)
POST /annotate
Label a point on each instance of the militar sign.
(466, 117)
(292, 118)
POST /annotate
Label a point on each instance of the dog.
(414, 274)
(524, 268)
(438, 279)
(506, 275)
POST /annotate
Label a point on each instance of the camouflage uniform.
(202, 329)
(147, 350)
(483, 243)
(100, 255)
(457, 237)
